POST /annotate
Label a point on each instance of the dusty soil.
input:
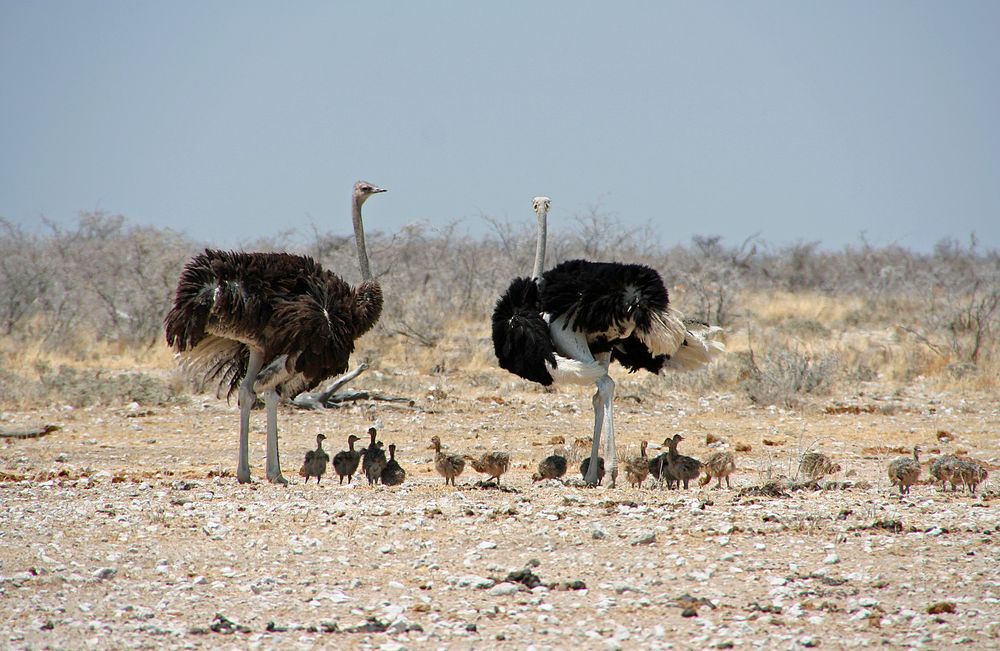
(126, 529)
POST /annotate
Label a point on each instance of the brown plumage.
(718, 465)
(393, 473)
(316, 460)
(683, 468)
(373, 459)
(448, 465)
(943, 470)
(815, 465)
(273, 323)
(904, 471)
(345, 462)
(969, 472)
(493, 464)
(637, 468)
(551, 467)
(585, 466)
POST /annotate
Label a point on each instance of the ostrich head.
(541, 205)
(363, 190)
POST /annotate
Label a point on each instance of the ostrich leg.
(273, 463)
(573, 345)
(606, 391)
(247, 398)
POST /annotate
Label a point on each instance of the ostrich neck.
(540, 246)
(359, 236)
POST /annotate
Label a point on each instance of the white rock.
(473, 581)
(105, 573)
(505, 588)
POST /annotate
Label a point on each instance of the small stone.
(487, 544)
(644, 538)
(831, 559)
(941, 607)
(503, 589)
(105, 573)
(473, 581)
(689, 612)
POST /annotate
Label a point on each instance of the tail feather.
(699, 348)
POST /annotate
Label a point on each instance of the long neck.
(540, 246)
(359, 236)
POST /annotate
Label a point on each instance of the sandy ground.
(126, 529)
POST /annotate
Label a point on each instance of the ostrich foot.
(277, 479)
(243, 475)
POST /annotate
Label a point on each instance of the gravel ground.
(126, 529)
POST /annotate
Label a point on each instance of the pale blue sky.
(230, 121)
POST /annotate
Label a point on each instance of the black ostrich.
(273, 323)
(566, 326)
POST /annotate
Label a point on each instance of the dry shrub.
(785, 376)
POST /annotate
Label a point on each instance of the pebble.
(473, 581)
(502, 589)
(644, 538)
(105, 573)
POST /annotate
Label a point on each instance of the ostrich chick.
(904, 471)
(585, 466)
(345, 462)
(448, 465)
(815, 465)
(315, 463)
(373, 460)
(658, 468)
(943, 470)
(551, 467)
(393, 473)
(683, 468)
(637, 468)
(493, 464)
(719, 465)
(971, 473)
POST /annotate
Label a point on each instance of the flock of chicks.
(376, 467)
(670, 467)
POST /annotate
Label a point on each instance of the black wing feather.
(521, 339)
(594, 296)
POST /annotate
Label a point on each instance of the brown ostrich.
(905, 471)
(273, 324)
(448, 465)
(492, 464)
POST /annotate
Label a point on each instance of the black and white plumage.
(566, 326)
(273, 323)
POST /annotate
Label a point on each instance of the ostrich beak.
(377, 190)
